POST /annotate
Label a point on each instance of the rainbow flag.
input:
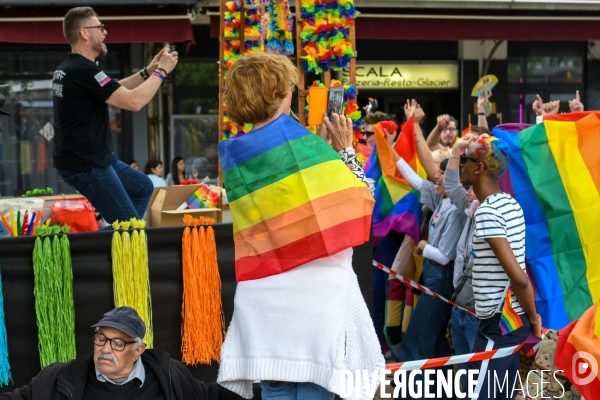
(509, 319)
(204, 197)
(578, 352)
(397, 204)
(292, 199)
(554, 174)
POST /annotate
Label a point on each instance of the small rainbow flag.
(292, 199)
(509, 320)
(397, 204)
(465, 131)
(203, 198)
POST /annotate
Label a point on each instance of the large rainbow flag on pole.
(554, 174)
(397, 204)
(292, 199)
(578, 352)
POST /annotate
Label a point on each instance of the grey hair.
(138, 343)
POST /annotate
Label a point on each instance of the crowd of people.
(473, 247)
(295, 330)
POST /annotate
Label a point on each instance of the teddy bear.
(554, 390)
(544, 359)
(573, 394)
(533, 389)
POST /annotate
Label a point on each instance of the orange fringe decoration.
(203, 327)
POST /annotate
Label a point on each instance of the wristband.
(480, 113)
(144, 73)
(162, 78)
(163, 70)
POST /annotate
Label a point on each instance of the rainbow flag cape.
(578, 352)
(554, 174)
(397, 204)
(292, 199)
(509, 319)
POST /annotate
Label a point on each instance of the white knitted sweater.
(305, 325)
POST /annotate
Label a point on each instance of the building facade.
(433, 51)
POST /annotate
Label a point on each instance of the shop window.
(26, 134)
(195, 125)
(552, 70)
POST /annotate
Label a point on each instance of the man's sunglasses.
(369, 133)
(101, 27)
(464, 158)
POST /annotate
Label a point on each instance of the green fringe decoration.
(53, 291)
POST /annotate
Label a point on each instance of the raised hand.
(465, 141)
(551, 107)
(576, 105)
(166, 59)
(482, 99)
(389, 136)
(419, 114)
(538, 106)
(443, 121)
(409, 108)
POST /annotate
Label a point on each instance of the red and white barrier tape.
(410, 282)
(463, 358)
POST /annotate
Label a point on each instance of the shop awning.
(425, 27)
(469, 27)
(128, 25)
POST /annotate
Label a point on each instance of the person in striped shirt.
(426, 333)
(499, 256)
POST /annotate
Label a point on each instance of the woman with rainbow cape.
(299, 318)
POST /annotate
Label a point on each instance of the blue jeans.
(426, 334)
(295, 391)
(464, 327)
(118, 192)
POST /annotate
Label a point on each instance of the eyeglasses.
(101, 27)
(464, 158)
(116, 344)
(369, 133)
(449, 129)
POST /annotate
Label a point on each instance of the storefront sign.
(405, 76)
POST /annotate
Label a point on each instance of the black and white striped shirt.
(498, 216)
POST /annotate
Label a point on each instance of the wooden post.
(302, 92)
(353, 59)
(221, 85)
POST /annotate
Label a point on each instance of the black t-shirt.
(81, 126)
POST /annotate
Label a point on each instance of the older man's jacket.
(62, 381)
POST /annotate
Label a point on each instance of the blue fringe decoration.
(5, 376)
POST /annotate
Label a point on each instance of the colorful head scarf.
(492, 152)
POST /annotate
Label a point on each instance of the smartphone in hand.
(336, 101)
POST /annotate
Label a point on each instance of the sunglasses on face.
(367, 133)
(464, 158)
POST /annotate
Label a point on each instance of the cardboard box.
(164, 203)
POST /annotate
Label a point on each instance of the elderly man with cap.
(119, 368)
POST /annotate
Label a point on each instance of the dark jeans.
(426, 334)
(498, 369)
(118, 192)
(464, 327)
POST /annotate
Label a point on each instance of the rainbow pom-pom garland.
(326, 34)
